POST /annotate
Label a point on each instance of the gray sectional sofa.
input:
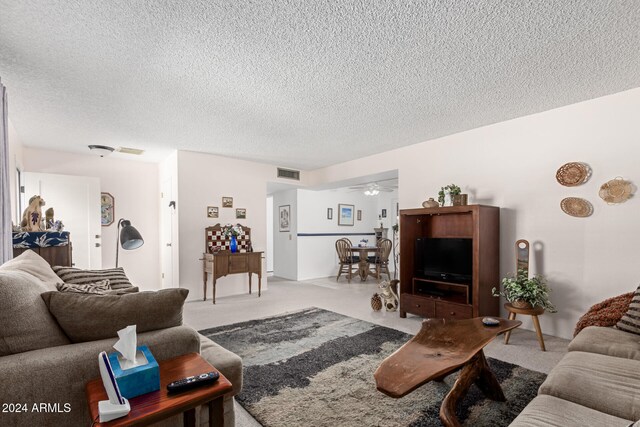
(39, 364)
(596, 384)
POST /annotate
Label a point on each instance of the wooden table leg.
(259, 284)
(363, 268)
(204, 278)
(536, 323)
(189, 418)
(216, 413)
(475, 371)
(512, 316)
(249, 283)
(214, 288)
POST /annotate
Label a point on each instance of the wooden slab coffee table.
(440, 348)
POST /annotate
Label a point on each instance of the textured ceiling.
(301, 84)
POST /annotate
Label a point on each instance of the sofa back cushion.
(630, 321)
(116, 277)
(86, 317)
(31, 263)
(25, 321)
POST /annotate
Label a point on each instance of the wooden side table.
(534, 313)
(158, 405)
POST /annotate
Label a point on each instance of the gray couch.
(596, 384)
(39, 365)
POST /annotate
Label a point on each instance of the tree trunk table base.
(439, 349)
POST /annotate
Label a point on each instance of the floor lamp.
(130, 238)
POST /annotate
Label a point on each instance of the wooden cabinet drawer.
(420, 306)
(238, 264)
(449, 310)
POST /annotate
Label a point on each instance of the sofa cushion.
(31, 263)
(26, 324)
(630, 321)
(604, 383)
(230, 364)
(609, 341)
(549, 411)
(116, 277)
(92, 317)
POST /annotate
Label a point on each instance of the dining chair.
(345, 258)
(380, 262)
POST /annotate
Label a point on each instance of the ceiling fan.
(105, 150)
(373, 188)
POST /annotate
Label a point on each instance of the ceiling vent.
(127, 150)
(289, 174)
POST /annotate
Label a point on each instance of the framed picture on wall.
(212, 212)
(329, 213)
(384, 213)
(345, 214)
(284, 218)
(107, 209)
(227, 202)
(359, 215)
(241, 213)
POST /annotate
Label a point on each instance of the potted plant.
(450, 190)
(524, 292)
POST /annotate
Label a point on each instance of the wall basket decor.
(616, 191)
(573, 174)
(575, 206)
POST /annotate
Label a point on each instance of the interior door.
(76, 202)
(167, 211)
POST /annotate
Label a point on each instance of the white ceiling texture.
(301, 83)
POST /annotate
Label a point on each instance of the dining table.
(363, 264)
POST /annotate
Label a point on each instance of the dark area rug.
(315, 368)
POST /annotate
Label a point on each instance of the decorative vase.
(459, 200)
(430, 203)
(376, 302)
(520, 303)
(233, 245)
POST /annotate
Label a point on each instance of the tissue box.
(139, 379)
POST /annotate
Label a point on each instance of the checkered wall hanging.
(215, 239)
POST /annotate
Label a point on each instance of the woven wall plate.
(575, 206)
(616, 191)
(572, 174)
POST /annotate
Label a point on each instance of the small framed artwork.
(212, 212)
(107, 209)
(241, 213)
(359, 215)
(384, 213)
(345, 214)
(284, 218)
(227, 202)
(329, 213)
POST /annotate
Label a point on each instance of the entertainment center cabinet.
(443, 295)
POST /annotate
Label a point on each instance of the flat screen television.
(447, 260)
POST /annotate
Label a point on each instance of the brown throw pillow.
(25, 322)
(630, 321)
(93, 317)
(98, 288)
(77, 276)
(605, 313)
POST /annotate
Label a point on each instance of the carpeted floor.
(315, 367)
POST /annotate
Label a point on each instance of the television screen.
(448, 260)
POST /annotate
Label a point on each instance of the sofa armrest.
(58, 375)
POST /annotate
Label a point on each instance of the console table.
(224, 262)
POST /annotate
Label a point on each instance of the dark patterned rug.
(315, 368)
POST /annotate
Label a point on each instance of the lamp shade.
(130, 238)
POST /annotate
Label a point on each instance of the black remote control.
(192, 382)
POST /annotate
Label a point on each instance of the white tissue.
(127, 345)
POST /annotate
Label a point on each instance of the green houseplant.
(521, 289)
(450, 189)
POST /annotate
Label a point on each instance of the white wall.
(285, 244)
(203, 179)
(317, 254)
(15, 162)
(134, 186)
(169, 257)
(512, 165)
(269, 252)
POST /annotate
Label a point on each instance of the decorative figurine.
(388, 295)
(32, 215)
